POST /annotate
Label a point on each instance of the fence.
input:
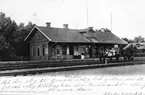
(16, 58)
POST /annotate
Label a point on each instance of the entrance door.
(90, 51)
(71, 50)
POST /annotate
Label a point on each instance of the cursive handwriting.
(109, 85)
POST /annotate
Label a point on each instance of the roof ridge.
(58, 28)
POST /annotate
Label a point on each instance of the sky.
(126, 18)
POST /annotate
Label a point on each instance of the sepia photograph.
(53, 47)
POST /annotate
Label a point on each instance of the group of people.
(108, 54)
(127, 52)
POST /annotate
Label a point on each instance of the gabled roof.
(61, 35)
(108, 37)
(139, 46)
(75, 36)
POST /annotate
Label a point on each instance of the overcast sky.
(128, 16)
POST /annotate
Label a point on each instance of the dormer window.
(92, 39)
(84, 33)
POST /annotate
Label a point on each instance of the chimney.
(48, 24)
(91, 28)
(65, 26)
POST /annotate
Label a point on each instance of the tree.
(22, 31)
(7, 29)
(20, 34)
(128, 40)
(12, 38)
(139, 39)
(125, 39)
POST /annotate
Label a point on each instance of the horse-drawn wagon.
(129, 51)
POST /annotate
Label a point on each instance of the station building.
(51, 43)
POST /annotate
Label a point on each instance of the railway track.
(31, 71)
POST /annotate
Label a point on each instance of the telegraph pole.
(87, 17)
(111, 21)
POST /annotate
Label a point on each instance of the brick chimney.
(65, 26)
(48, 24)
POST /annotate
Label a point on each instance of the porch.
(63, 51)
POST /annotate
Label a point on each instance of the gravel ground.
(121, 70)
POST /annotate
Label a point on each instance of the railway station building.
(50, 43)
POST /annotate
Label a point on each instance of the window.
(76, 50)
(83, 49)
(87, 50)
(38, 36)
(63, 50)
(43, 50)
(76, 47)
(58, 51)
(38, 52)
(34, 51)
(53, 51)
